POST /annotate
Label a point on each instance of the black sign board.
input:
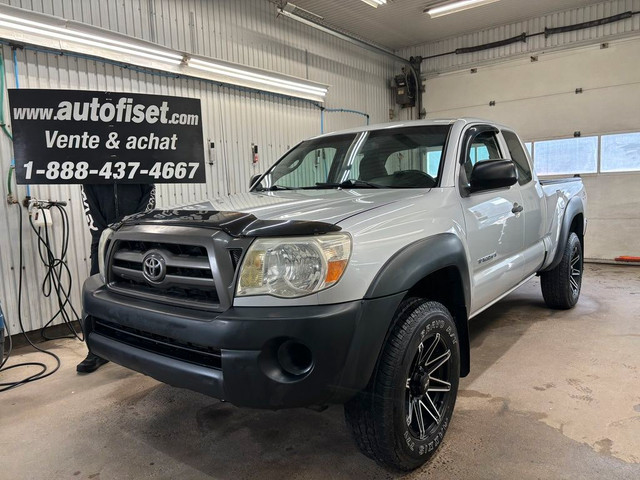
(71, 136)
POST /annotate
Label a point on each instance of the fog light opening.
(295, 358)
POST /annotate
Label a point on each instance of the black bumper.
(234, 355)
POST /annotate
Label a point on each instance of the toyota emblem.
(154, 268)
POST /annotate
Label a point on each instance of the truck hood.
(329, 206)
(292, 212)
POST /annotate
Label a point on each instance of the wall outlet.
(41, 217)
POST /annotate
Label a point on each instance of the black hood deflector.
(236, 224)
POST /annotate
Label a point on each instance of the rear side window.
(518, 156)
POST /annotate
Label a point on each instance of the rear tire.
(561, 286)
(403, 415)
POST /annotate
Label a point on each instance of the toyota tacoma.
(347, 274)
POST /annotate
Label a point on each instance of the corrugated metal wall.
(539, 43)
(246, 32)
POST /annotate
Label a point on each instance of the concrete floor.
(551, 395)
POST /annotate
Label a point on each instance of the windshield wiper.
(280, 187)
(350, 183)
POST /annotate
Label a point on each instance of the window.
(388, 158)
(411, 158)
(620, 152)
(518, 156)
(434, 156)
(314, 167)
(484, 147)
(567, 156)
(423, 159)
(478, 153)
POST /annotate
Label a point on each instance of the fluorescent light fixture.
(261, 78)
(375, 3)
(69, 34)
(456, 7)
(32, 28)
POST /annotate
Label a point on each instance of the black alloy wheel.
(428, 386)
(561, 286)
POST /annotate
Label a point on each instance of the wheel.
(402, 416)
(561, 286)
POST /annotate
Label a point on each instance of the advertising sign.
(71, 136)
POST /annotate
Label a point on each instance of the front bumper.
(234, 355)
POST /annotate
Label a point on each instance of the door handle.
(517, 208)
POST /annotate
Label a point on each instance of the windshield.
(406, 157)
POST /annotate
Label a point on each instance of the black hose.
(45, 371)
(523, 37)
(57, 272)
(500, 43)
(592, 23)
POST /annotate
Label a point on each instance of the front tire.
(403, 415)
(561, 286)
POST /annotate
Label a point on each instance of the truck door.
(533, 204)
(494, 224)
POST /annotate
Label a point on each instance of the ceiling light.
(456, 7)
(375, 3)
(32, 28)
(93, 40)
(256, 77)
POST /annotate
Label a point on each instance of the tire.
(561, 286)
(403, 415)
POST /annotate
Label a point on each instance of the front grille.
(152, 342)
(188, 280)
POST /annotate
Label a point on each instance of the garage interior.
(551, 394)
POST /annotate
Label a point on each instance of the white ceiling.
(402, 23)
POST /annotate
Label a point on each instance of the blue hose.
(15, 72)
(340, 110)
(1, 335)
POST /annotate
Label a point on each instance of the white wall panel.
(246, 32)
(538, 98)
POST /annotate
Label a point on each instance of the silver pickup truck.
(347, 274)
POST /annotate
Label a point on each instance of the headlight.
(102, 251)
(294, 266)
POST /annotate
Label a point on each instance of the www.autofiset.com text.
(122, 111)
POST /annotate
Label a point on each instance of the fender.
(574, 208)
(417, 260)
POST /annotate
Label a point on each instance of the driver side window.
(484, 147)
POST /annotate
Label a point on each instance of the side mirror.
(253, 180)
(492, 174)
